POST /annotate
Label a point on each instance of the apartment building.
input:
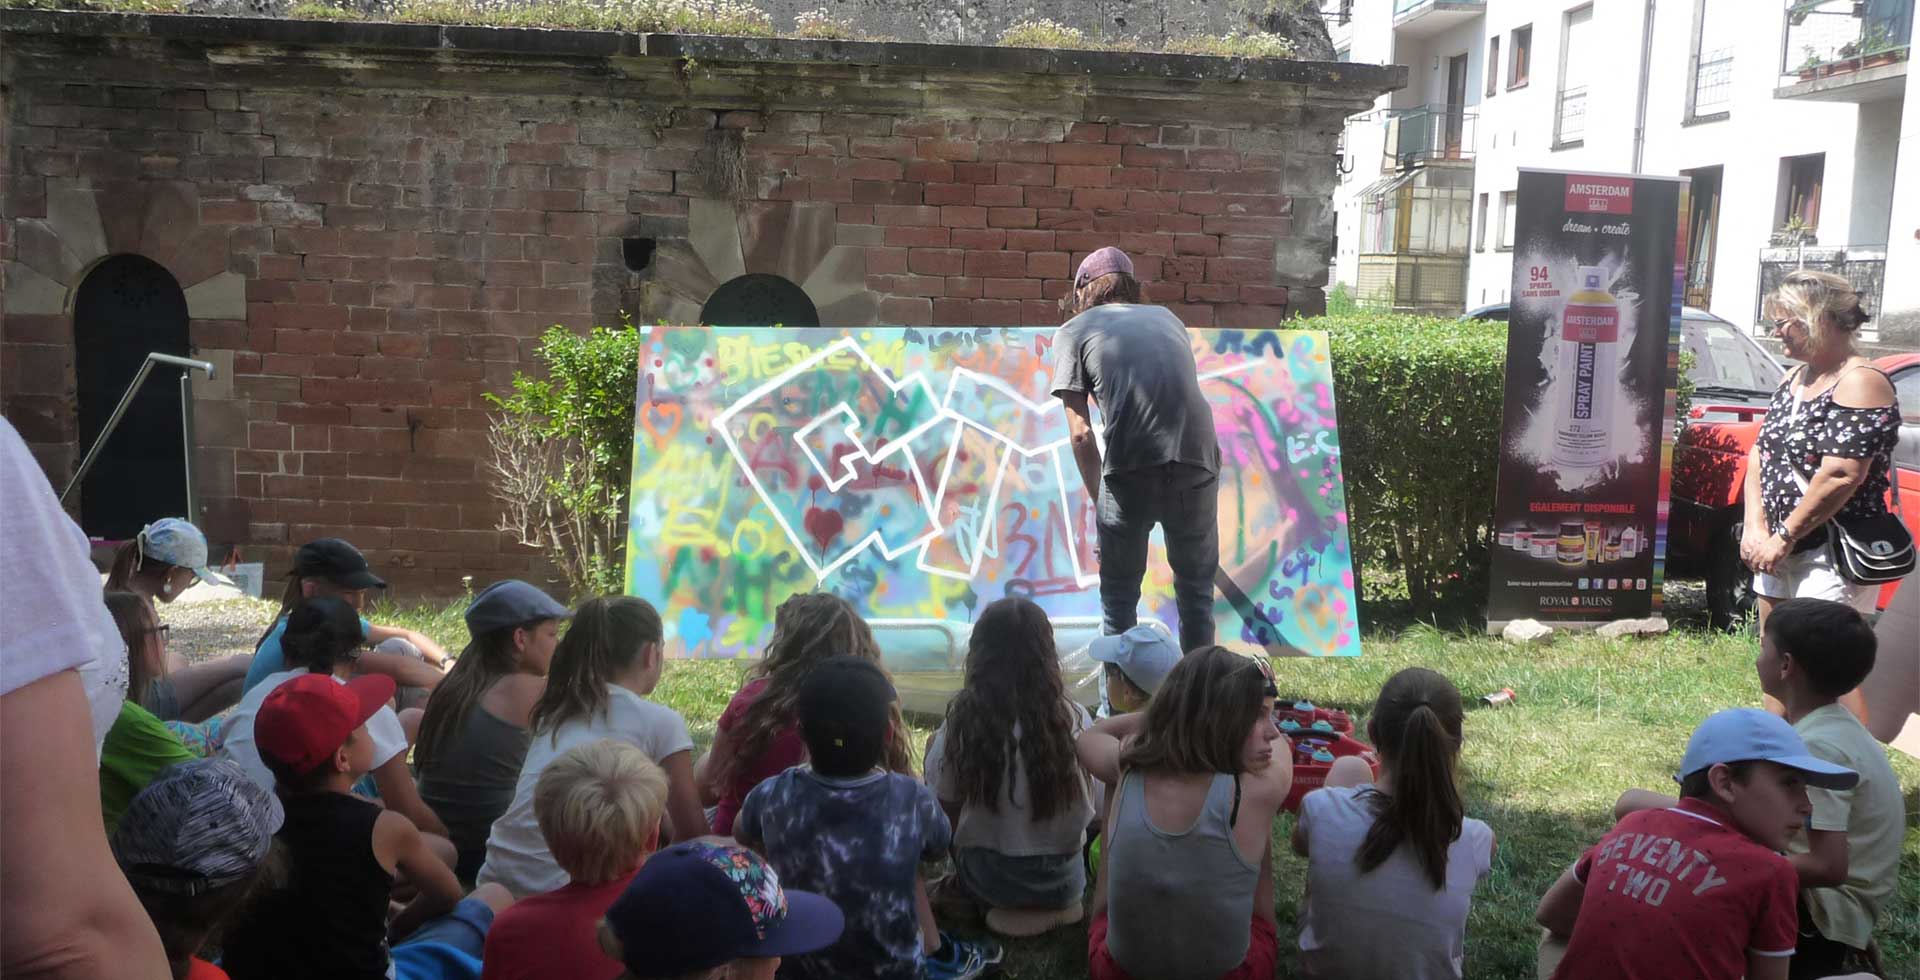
(1787, 114)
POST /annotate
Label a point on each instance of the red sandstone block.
(356, 344)
(1201, 202)
(1256, 205)
(936, 261)
(1158, 157)
(1013, 288)
(554, 299)
(286, 365)
(1184, 268)
(1058, 219)
(565, 225)
(999, 196)
(893, 214)
(886, 261)
(1132, 134)
(996, 264)
(930, 171)
(1265, 295)
(278, 267)
(1094, 199)
(966, 287)
(1030, 240)
(229, 213)
(963, 217)
(979, 238)
(1144, 200)
(335, 367)
(881, 192)
(536, 153)
(949, 194)
(1087, 132)
(916, 236)
(1192, 244)
(1083, 176)
(402, 345)
(294, 316)
(1196, 317)
(1184, 180)
(1271, 228)
(1012, 217)
(890, 148)
(959, 151)
(848, 214)
(741, 119)
(977, 312)
(1025, 174)
(1179, 224)
(977, 173)
(1049, 197)
(906, 311)
(1213, 160)
(920, 128)
(1017, 152)
(885, 168)
(1084, 154)
(1249, 182)
(1211, 292)
(1235, 270)
(443, 297)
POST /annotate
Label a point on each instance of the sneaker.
(962, 959)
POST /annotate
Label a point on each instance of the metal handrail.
(187, 366)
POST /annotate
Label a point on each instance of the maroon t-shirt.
(553, 935)
(784, 751)
(1679, 892)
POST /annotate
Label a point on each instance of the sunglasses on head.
(1268, 688)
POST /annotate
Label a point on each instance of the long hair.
(321, 632)
(807, 628)
(489, 658)
(134, 616)
(1114, 287)
(1416, 726)
(1013, 682)
(1199, 719)
(289, 598)
(130, 561)
(603, 642)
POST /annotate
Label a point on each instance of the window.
(1521, 60)
(1576, 59)
(1493, 64)
(1716, 30)
(1480, 222)
(1505, 242)
(1800, 179)
(1906, 390)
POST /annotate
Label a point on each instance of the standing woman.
(162, 561)
(1824, 453)
(474, 736)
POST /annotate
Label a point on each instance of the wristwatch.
(1786, 535)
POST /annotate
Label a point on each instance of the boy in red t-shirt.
(1699, 889)
(599, 808)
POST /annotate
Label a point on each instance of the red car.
(1709, 474)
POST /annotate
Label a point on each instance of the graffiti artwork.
(924, 473)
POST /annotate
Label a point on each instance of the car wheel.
(1729, 581)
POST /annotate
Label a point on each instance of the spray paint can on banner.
(1589, 367)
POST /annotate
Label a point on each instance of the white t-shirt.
(1010, 830)
(1873, 816)
(517, 855)
(51, 616)
(1388, 923)
(236, 736)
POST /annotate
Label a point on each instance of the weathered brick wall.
(371, 239)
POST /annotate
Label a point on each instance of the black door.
(128, 307)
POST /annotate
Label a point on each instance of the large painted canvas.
(924, 473)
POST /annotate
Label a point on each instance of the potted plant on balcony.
(1877, 48)
(1795, 232)
(1810, 67)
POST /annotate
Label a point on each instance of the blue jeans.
(1184, 501)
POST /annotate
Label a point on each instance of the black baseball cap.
(845, 712)
(337, 562)
(701, 904)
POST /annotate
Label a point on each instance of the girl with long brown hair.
(1185, 890)
(604, 668)
(164, 560)
(139, 745)
(1004, 769)
(1402, 847)
(758, 735)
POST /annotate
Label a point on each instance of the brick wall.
(372, 249)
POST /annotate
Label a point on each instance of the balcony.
(1865, 266)
(1424, 18)
(1845, 50)
(1570, 118)
(1427, 133)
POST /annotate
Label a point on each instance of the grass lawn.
(1593, 717)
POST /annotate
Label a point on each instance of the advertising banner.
(1586, 447)
(922, 474)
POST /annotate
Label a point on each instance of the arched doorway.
(759, 300)
(127, 307)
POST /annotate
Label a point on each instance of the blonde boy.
(598, 806)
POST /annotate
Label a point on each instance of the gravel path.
(215, 627)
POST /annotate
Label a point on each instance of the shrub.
(563, 454)
(729, 17)
(1251, 45)
(1420, 406)
(822, 25)
(1047, 34)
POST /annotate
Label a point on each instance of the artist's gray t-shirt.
(1137, 364)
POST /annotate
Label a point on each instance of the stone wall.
(373, 224)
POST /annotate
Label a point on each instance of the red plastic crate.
(1311, 775)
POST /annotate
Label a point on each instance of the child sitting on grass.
(1185, 890)
(1400, 856)
(330, 922)
(1812, 652)
(599, 808)
(1133, 665)
(708, 910)
(1697, 889)
(856, 833)
(602, 672)
(1004, 770)
(194, 845)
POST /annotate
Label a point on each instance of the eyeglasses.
(1783, 323)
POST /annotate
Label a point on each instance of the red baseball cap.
(308, 718)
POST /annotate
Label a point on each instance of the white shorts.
(1811, 575)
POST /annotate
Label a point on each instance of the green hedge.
(1419, 401)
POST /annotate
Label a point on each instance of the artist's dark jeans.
(1184, 501)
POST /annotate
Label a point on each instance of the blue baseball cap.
(1749, 735)
(1146, 655)
(177, 542)
(510, 602)
(701, 904)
